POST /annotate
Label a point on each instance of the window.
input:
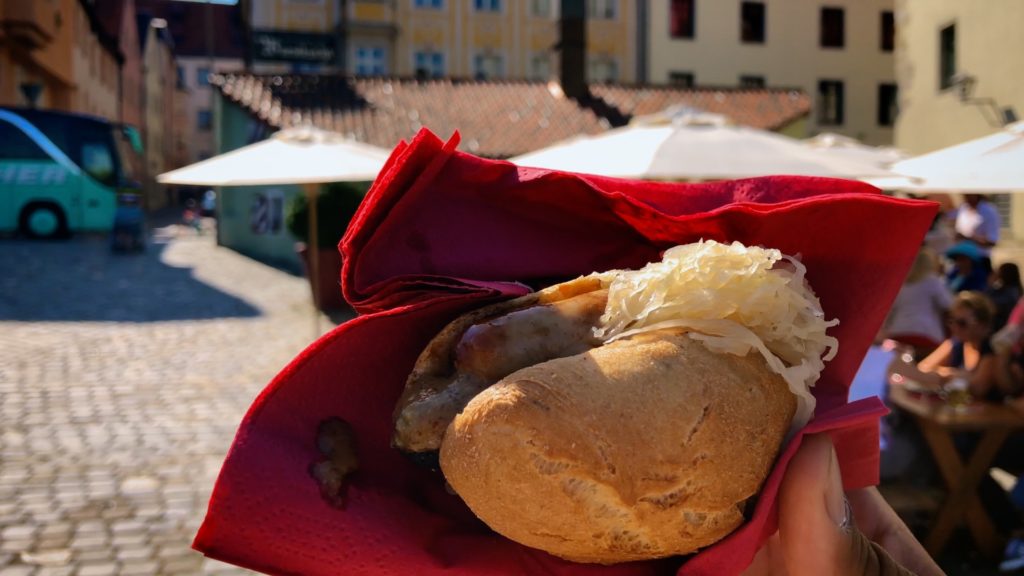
(16, 145)
(488, 66)
(830, 102)
(947, 56)
(540, 66)
(888, 105)
(370, 61)
(204, 120)
(435, 4)
(98, 162)
(428, 64)
(832, 28)
(487, 5)
(752, 81)
(541, 8)
(681, 19)
(603, 70)
(181, 76)
(601, 9)
(203, 76)
(752, 22)
(681, 79)
(888, 31)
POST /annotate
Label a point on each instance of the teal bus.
(61, 173)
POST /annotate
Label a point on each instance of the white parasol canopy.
(294, 156)
(687, 144)
(303, 155)
(993, 163)
(850, 148)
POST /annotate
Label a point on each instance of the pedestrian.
(209, 204)
(191, 218)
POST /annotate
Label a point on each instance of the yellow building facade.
(95, 69)
(35, 53)
(840, 52)
(960, 70)
(508, 39)
(459, 38)
(52, 56)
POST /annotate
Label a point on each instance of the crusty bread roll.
(643, 448)
(626, 415)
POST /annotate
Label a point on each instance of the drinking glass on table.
(957, 394)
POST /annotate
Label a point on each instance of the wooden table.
(938, 423)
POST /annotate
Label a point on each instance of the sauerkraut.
(733, 299)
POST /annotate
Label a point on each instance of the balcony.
(371, 18)
(30, 24)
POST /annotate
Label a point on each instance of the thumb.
(816, 528)
(812, 512)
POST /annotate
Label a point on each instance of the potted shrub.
(336, 205)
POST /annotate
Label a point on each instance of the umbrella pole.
(314, 255)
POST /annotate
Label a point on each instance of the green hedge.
(336, 205)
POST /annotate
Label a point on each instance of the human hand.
(819, 535)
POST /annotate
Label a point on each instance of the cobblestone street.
(122, 380)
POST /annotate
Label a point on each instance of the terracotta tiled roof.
(498, 119)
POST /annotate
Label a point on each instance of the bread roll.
(643, 448)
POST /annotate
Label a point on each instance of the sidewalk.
(122, 381)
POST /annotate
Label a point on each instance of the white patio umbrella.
(993, 163)
(687, 144)
(842, 146)
(293, 156)
(304, 155)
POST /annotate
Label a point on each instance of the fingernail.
(835, 500)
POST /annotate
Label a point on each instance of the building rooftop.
(97, 24)
(497, 118)
(188, 22)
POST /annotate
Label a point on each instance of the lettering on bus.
(33, 174)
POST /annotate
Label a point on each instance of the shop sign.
(294, 47)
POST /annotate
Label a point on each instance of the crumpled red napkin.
(442, 232)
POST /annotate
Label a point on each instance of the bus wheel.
(43, 220)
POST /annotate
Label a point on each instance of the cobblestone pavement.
(122, 380)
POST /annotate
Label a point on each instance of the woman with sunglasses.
(967, 354)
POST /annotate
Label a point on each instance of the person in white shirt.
(977, 220)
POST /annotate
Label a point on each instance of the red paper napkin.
(442, 232)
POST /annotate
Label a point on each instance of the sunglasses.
(960, 322)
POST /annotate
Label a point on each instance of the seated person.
(971, 267)
(1013, 560)
(916, 316)
(966, 354)
(1009, 372)
(1005, 291)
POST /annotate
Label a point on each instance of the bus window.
(16, 145)
(98, 162)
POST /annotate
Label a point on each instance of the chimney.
(572, 46)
